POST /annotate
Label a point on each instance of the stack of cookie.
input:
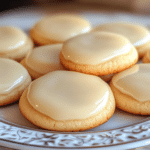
(71, 66)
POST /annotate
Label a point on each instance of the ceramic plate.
(123, 130)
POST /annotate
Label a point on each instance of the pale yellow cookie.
(14, 78)
(138, 35)
(58, 28)
(131, 89)
(43, 59)
(98, 53)
(14, 43)
(67, 101)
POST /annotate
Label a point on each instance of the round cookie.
(67, 101)
(43, 59)
(98, 53)
(131, 89)
(58, 28)
(138, 35)
(14, 43)
(14, 78)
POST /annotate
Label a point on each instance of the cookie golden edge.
(114, 65)
(19, 53)
(15, 94)
(48, 123)
(128, 103)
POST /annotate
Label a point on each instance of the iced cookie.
(138, 35)
(131, 89)
(14, 78)
(43, 59)
(67, 101)
(58, 28)
(14, 43)
(98, 53)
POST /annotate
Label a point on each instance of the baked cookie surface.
(14, 78)
(138, 35)
(14, 43)
(58, 28)
(43, 59)
(131, 89)
(67, 101)
(98, 53)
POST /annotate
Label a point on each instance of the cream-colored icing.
(62, 27)
(44, 59)
(135, 82)
(138, 35)
(11, 38)
(68, 95)
(12, 75)
(95, 48)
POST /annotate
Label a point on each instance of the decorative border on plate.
(32, 137)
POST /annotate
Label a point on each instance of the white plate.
(123, 130)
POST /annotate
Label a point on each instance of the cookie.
(146, 58)
(58, 28)
(43, 59)
(14, 78)
(14, 43)
(138, 35)
(98, 53)
(67, 101)
(131, 89)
